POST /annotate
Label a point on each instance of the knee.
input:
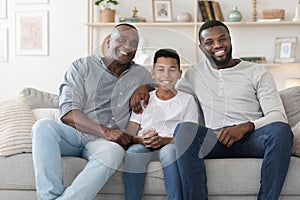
(183, 127)
(187, 132)
(282, 132)
(111, 155)
(136, 148)
(41, 127)
(167, 154)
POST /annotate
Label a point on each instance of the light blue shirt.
(103, 97)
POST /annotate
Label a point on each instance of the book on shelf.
(255, 59)
(217, 10)
(209, 10)
(203, 11)
(200, 17)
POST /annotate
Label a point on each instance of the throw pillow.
(16, 120)
(291, 101)
(296, 145)
(39, 99)
(50, 113)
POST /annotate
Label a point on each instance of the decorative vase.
(184, 17)
(107, 15)
(297, 13)
(234, 15)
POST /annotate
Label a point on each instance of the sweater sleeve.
(269, 99)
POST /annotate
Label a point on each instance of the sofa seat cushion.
(224, 176)
(17, 171)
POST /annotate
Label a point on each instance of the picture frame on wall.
(285, 49)
(30, 1)
(3, 9)
(162, 10)
(32, 33)
(3, 44)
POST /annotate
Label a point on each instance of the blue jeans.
(52, 140)
(136, 161)
(272, 142)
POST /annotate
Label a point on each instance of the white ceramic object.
(184, 17)
(297, 13)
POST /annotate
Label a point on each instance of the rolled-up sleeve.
(72, 91)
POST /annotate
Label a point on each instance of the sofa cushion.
(291, 102)
(39, 99)
(16, 120)
(17, 172)
(229, 176)
(42, 113)
(296, 145)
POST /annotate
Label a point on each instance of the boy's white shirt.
(164, 115)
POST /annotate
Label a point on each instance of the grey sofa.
(228, 179)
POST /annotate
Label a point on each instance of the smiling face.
(123, 44)
(166, 72)
(216, 44)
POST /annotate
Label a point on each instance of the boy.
(167, 107)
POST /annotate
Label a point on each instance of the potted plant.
(107, 14)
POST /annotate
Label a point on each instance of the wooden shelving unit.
(194, 26)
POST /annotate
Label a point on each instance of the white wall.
(68, 38)
(67, 41)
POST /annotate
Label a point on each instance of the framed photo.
(3, 45)
(32, 33)
(30, 1)
(285, 49)
(2, 9)
(162, 10)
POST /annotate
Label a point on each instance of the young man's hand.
(232, 134)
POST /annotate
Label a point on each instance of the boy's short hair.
(166, 53)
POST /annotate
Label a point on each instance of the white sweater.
(245, 92)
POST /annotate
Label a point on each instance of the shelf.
(145, 24)
(189, 24)
(281, 23)
(282, 64)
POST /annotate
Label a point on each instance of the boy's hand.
(151, 139)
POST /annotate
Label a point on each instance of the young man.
(155, 127)
(94, 110)
(243, 114)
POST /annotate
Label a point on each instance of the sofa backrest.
(40, 99)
